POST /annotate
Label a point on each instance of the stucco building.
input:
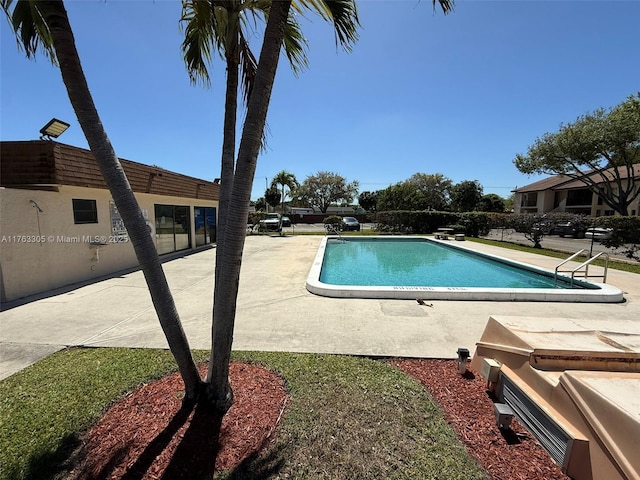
(59, 224)
(565, 194)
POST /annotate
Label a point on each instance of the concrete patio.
(276, 312)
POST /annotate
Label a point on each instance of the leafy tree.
(44, 25)
(466, 195)
(324, 188)
(529, 226)
(272, 196)
(491, 203)
(509, 202)
(401, 196)
(368, 201)
(434, 188)
(599, 149)
(260, 204)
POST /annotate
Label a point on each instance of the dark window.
(85, 211)
(579, 197)
(529, 199)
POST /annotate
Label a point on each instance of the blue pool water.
(417, 262)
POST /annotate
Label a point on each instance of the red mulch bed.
(146, 435)
(468, 408)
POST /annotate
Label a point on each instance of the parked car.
(546, 227)
(271, 223)
(599, 234)
(573, 229)
(286, 222)
(350, 224)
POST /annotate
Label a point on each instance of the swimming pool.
(419, 267)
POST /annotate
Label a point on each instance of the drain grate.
(550, 435)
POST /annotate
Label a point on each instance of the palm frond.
(200, 37)
(30, 28)
(248, 67)
(445, 5)
(295, 45)
(342, 13)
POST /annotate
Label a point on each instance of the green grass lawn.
(348, 417)
(633, 267)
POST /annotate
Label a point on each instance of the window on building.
(581, 196)
(84, 211)
(529, 199)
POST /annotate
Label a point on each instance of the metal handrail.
(584, 265)
(332, 230)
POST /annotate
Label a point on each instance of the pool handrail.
(584, 265)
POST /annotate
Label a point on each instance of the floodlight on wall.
(53, 129)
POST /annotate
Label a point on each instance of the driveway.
(275, 311)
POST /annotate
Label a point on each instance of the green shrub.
(419, 221)
(332, 220)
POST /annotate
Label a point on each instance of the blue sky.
(460, 94)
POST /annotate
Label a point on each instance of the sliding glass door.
(205, 223)
(173, 231)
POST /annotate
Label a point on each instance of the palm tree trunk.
(229, 133)
(75, 82)
(219, 390)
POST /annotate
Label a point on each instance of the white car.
(271, 223)
(599, 234)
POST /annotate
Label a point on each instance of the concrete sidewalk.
(275, 311)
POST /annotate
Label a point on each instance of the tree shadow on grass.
(258, 466)
(51, 464)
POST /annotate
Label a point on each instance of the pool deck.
(276, 313)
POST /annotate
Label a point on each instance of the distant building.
(59, 224)
(565, 194)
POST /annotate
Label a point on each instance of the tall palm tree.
(214, 25)
(44, 25)
(284, 179)
(219, 390)
(343, 15)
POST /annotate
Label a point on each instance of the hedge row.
(475, 224)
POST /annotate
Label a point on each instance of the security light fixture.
(53, 129)
(463, 358)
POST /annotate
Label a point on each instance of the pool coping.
(603, 293)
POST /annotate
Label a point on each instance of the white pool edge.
(603, 294)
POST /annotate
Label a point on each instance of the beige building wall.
(41, 248)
